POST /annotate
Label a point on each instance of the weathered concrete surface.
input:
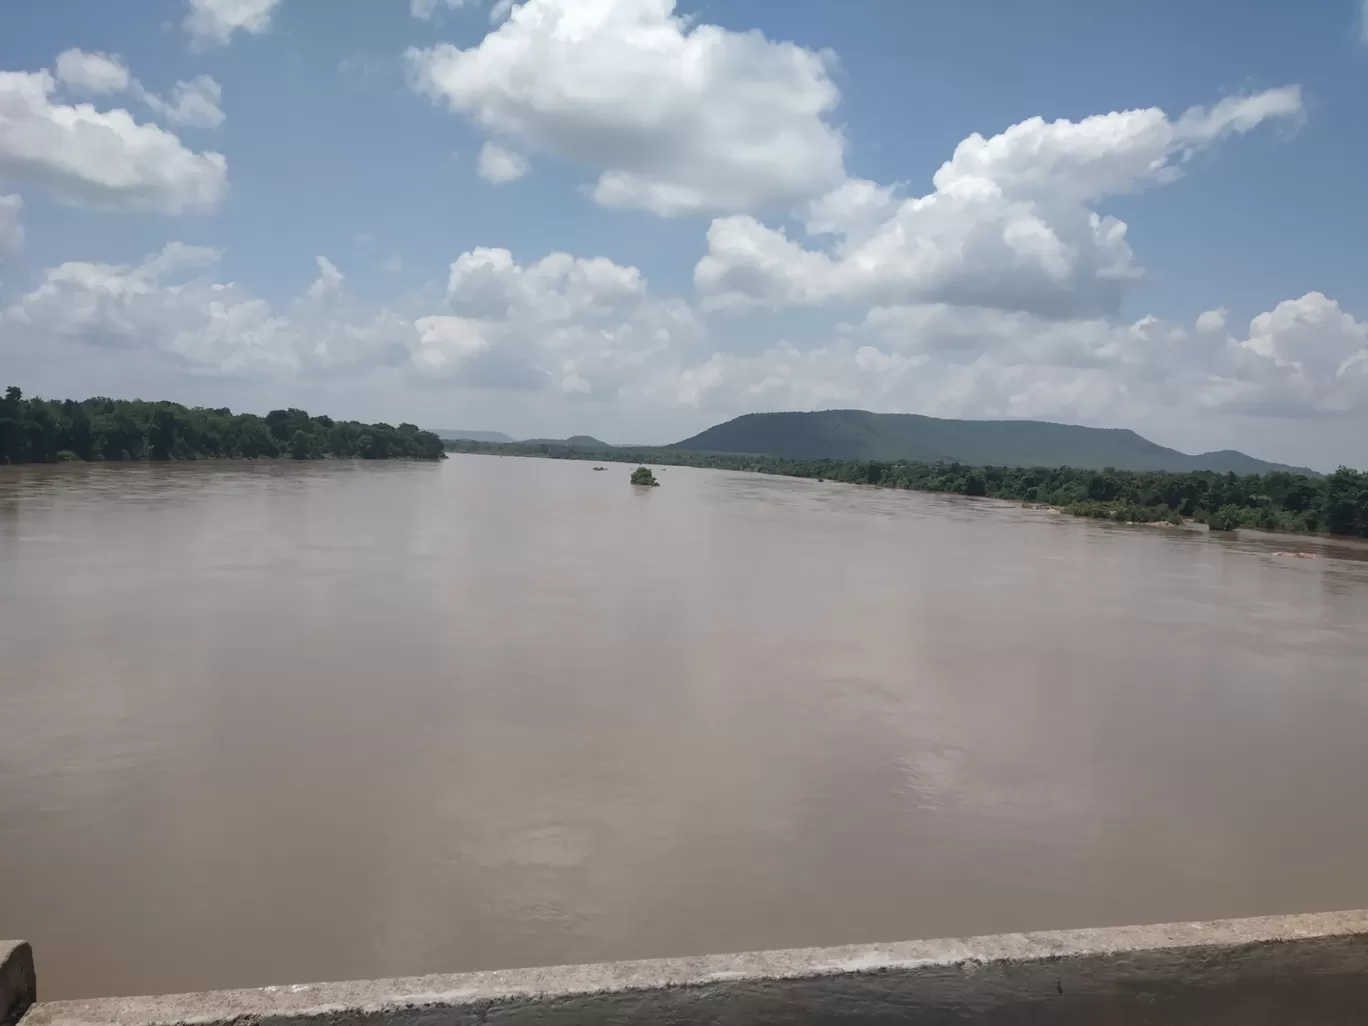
(1295, 970)
(18, 989)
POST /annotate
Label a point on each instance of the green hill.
(573, 442)
(859, 435)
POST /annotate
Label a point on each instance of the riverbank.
(1279, 502)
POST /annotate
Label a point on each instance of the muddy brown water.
(275, 723)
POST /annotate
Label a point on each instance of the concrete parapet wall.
(18, 988)
(1297, 970)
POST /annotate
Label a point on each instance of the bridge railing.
(1301, 970)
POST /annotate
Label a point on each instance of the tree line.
(1277, 501)
(38, 430)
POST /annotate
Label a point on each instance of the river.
(275, 723)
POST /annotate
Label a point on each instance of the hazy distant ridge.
(573, 442)
(473, 436)
(860, 435)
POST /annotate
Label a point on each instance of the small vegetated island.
(643, 476)
(51, 431)
(1012, 460)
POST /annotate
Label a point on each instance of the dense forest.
(1276, 501)
(51, 431)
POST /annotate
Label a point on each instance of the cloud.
(170, 305)
(214, 22)
(676, 116)
(427, 9)
(782, 377)
(196, 323)
(328, 284)
(194, 104)
(446, 343)
(1307, 357)
(92, 72)
(591, 328)
(102, 159)
(11, 227)
(579, 326)
(498, 165)
(1010, 224)
(558, 287)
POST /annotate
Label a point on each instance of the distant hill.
(474, 436)
(573, 442)
(859, 435)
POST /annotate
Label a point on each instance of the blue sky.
(635, 218)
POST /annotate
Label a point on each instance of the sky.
(637, 218)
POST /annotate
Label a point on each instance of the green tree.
(13, 448)
(162, 434)
(1346, 502)
(300, 446)
(643, 476)
(36, 430)
(1227, 518)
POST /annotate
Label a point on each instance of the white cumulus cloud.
(577, 326)
(11, 227)
(446, 343)
(592, 328)
(214, 22)
(102, 159)
(162, 302)
(328, 284)
(427, 9)
(1305, 358)
(574, 324)
(172, 306)
(194, 103)
(497, 165)
(84, 72)
(675, 115)
(1011, 222)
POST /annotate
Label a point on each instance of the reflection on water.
(275, 723)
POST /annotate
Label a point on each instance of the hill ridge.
(573, 442)
(845, 434)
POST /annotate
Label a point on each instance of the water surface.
(274, 723)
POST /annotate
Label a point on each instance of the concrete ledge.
(1307, 970)
(18, 987)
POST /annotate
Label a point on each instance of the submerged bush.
(1227, 518)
